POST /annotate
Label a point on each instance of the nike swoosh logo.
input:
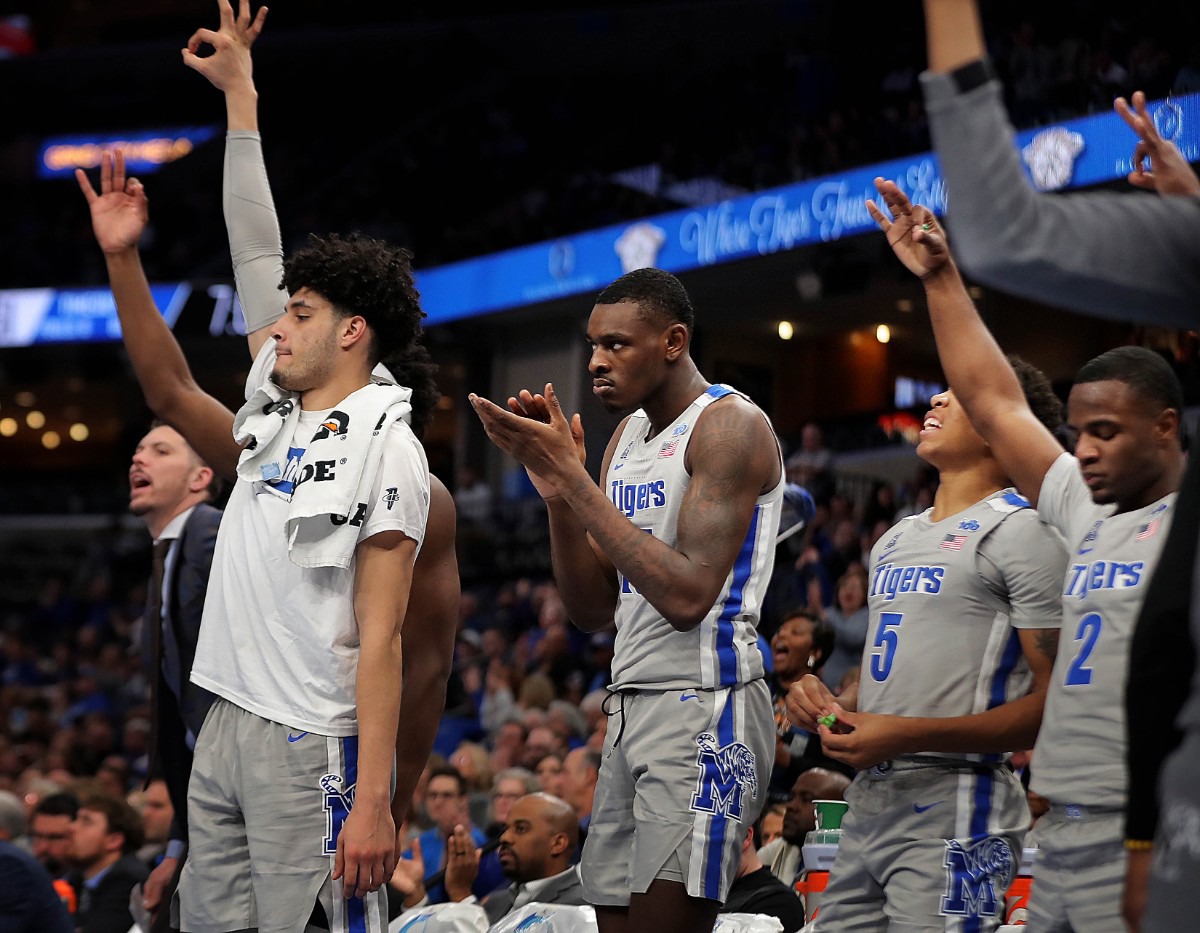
(296, 736)
(687, 696)
(917, 808)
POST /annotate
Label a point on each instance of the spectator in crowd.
(542, 741)
(50, 831)
(29, 902)
(475, 765)
(104, 839)
(770, 824)
(810, 465)
(783, 856)
(447, 804)
(580, 771)
(473, 497)
(800, 647)
(536, 852)
(549, 774)
(849, 617)
(756, 890)
(158, 815)
(509, 786)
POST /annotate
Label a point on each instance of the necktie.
(153, 618)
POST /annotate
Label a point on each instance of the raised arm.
(733, 457)
(255, 243)
(973, 362)
(119, 215)
(1099, 252)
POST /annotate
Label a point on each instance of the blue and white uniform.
(689, 747)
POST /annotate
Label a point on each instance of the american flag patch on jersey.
(953, 542)
(1148, 530)
(668, 449)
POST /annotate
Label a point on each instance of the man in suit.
(170, 488)
(537, 851)
(105, 836)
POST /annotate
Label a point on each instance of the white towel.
(340, 461)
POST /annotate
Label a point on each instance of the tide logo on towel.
(360, 516)
(338, 422)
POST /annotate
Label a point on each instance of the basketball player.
(1113, 503)
(677, 544)
(964, 625)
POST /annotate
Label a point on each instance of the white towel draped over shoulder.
(339, 464)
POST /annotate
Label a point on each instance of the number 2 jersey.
(948, 600)
(647, 481)
(1080, 753)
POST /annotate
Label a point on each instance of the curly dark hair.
(1046, 406)
(415, 368)
(658, 295)
(360, 275)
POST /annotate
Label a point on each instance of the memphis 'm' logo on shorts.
(726, 773)
(977, 876)
(337, 803)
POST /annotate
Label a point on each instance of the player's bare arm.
(973, 362)
(120, 213)
(733, 458)
(869, 738)
(429, 628)
(366, 846)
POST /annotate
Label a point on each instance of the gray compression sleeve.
(255, 243)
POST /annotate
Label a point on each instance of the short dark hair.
(120, 816)
(824, 635)
(216, 486)
(61, 804)
(1145, 372)
(451, 772)
(415, 368)
(658, 295)
(360, 275)
(1046, 406)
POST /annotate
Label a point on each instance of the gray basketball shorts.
(925, 846)
(265, 806)
(1079, 875)
(683, 777)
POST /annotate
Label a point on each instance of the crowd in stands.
(525, 709)
(503, 155)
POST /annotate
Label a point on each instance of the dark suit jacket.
(567, 890)
(106, 909)
(188, 585)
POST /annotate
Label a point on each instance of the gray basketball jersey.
(947, 600)
(647, 481)
(1080, 753)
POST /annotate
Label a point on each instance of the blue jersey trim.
(719, 391)
(726, 652)
(979, 830)
(719, 827)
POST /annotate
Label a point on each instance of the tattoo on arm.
(1047, 642)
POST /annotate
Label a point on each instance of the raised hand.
(229, 66)
(807, 700)
(913, 232)
(1169, 171)
(536, 433)
(120, 211)
(462, 864)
